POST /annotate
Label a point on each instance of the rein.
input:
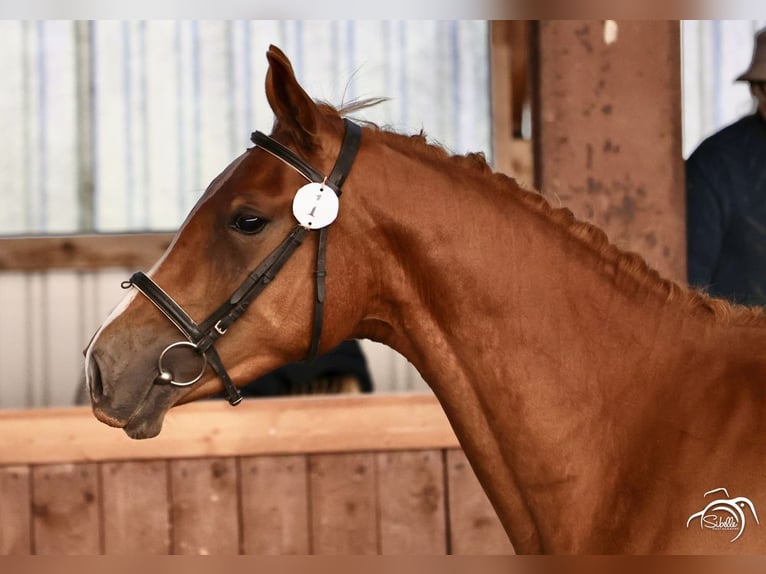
(201, 337)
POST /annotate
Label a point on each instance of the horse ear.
(291, 104)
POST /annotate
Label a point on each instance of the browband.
(343, 163)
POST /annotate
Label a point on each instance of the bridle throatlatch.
(314, 210)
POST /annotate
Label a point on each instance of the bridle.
(201, 337)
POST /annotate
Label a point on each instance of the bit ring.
(166, 376)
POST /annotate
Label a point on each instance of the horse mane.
(627, 264)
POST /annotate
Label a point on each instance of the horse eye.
(248, 224)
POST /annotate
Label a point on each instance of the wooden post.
(607, 123)
(510, 75)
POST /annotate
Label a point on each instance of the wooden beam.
(214, 429)
(608, 131)
(510, 72)
(83, 252)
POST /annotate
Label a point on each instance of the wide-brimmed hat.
(757, 70)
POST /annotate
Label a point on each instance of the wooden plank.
(133, 251)
(343, 503)
(510, 74)
(213, 428)
(136, 507)
(474, 526)
(608, 131)
(501, 55)
(274, 491)
(65, 509)
(412, 502)
(204, 506)
(14, 511)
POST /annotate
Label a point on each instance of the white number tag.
(315, 205)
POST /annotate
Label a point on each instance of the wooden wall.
(376, 475)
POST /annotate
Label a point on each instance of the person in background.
(340, 370)
(726, 200)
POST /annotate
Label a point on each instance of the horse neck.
(471, 267)
(546, 355)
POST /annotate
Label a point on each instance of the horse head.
(242, 220)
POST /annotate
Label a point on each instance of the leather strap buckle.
(220, 330)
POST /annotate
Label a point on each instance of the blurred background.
(116, 127)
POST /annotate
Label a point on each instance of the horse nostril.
(95, 384)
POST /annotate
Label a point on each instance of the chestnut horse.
(601, 406)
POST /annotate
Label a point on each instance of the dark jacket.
(347, 359)
(726, 212)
